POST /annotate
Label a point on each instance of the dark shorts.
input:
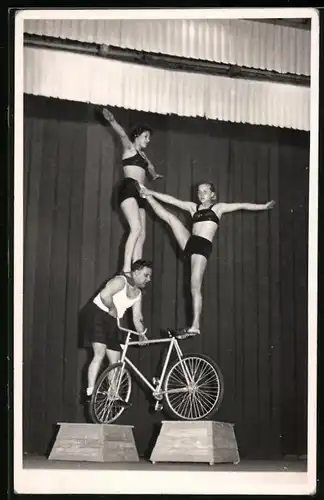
(100, 327)
(198, 245)
(128, 188)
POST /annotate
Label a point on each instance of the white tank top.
(120, 300)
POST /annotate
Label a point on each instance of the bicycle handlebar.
(128, 330)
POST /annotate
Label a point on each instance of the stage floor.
(39, 462)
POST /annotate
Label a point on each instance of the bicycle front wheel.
(113, 384)
(193, 388)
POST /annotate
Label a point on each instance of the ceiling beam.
(164, 61)
(304, 24)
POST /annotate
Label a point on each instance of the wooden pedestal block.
(196, 441)
(95, 443)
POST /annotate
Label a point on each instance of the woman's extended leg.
(180, 232)
(138, 250)
(198, 266)
(131, 212)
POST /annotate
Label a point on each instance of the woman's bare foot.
(188, 332)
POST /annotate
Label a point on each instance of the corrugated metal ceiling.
(240, 42)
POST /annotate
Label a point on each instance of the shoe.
(85, 400)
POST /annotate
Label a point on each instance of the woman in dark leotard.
(198, 245)
(135, 167)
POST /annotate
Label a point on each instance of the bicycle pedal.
(122, 403)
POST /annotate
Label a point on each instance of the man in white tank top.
(119, 294)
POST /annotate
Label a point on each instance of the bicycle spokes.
(196, 399)
(113, 387)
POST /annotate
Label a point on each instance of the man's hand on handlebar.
(143, 338)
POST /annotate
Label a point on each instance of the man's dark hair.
(138, 130)
(140, 264)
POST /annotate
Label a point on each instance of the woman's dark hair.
(138, 130)
(140, 264)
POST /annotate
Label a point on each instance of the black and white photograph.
(165, 251)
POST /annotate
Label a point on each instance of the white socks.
(89, 391)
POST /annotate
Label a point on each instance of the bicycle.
(191, 388)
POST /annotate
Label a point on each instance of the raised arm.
(138, 316)
(109, 117)
(166, 198)
(224, 208)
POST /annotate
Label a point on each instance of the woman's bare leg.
(180, 232)
(138, 249)
(131, 212)
(198, 266)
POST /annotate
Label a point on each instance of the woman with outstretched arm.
(197, 244)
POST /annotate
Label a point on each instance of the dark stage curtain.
(255, 290)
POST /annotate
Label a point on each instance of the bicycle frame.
(126, 361)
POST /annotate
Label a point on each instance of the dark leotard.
(205, 214)
(198, 244)
(138, 160)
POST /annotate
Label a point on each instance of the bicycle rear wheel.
(201, 397)
(104, 407)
